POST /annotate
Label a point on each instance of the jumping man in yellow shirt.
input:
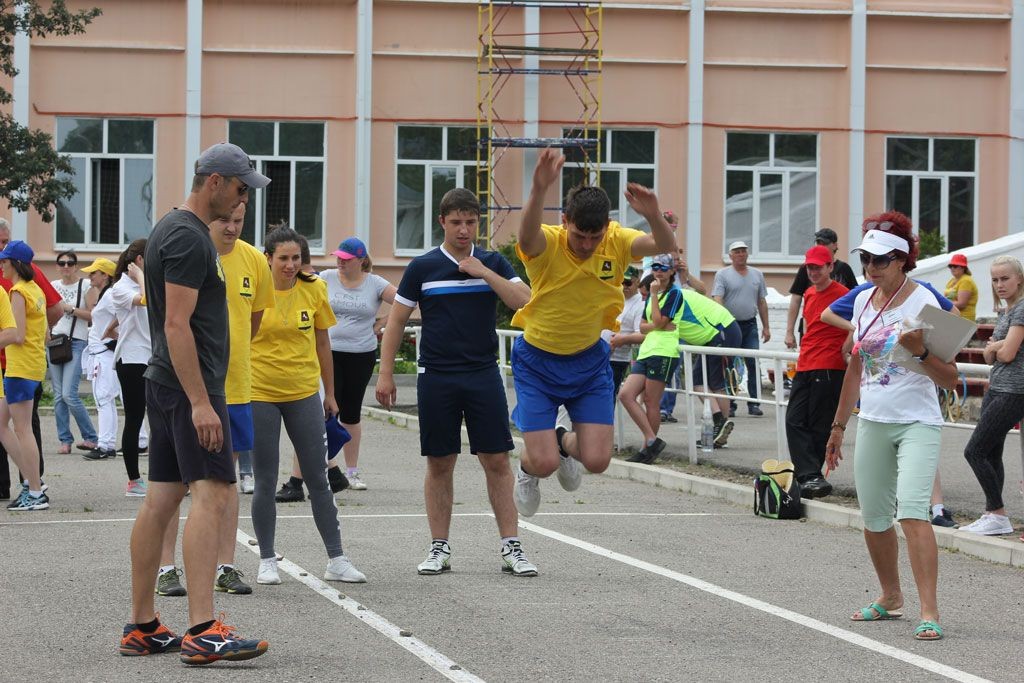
(576, 272)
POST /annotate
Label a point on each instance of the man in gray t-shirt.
(742, 290)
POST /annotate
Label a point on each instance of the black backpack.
(775, 502)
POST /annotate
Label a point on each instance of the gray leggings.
(304, 422)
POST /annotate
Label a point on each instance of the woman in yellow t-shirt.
(961, 288)
(291, 355)
(26, 367)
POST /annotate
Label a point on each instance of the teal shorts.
(894, 467)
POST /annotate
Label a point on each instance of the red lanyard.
(880, 311)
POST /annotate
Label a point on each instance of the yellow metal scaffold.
(571, 51)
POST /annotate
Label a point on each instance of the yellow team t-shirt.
(28, 359)
(572, 300)
(285, 366)
(965, 283)
(250, 289)
(6, 322)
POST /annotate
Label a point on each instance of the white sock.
(34, 494)
(167, 568)
(937, 509)
(508, 539)
(223, 568)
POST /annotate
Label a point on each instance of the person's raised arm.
(791, 315)
(548, 169)
(181, 346)
(661, 240)
(385, 390)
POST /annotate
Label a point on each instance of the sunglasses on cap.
(884, 226)
(658, 268)
(882, 261)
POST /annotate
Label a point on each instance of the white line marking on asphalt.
(436, 660)
(417, 515)
(796, 618)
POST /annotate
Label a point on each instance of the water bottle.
(707, 428)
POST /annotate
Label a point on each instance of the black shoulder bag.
(58, 348)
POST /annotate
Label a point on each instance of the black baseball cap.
(826, 235)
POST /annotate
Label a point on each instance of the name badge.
(890, 318)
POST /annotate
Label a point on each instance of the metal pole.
(691, 409)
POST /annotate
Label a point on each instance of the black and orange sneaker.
(219, 642)
(135, 643)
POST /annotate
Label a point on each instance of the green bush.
(504, 312)
(931, 243)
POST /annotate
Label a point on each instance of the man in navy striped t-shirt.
(457, 287)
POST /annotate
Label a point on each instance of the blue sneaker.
(135, 643)
(26, 501)
(219, 642)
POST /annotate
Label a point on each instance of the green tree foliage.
(31, 168)
(931, 243)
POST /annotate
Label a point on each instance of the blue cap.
(337, 436)
(18, 251)
(353, 247)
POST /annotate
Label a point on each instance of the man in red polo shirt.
(819, 377)
(54, 304)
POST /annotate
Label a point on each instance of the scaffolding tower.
(572, 52)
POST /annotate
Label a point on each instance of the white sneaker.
(355, 483)
(527, 493)
(990, 525)
(514, 562)
(340, 568)
(247, 484)
(268, 575)
(439, 559)
(570, 471)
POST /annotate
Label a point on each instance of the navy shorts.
(242, 433)
(729, 337)
(582, 382)
(174, 451)
(658, 368)
(444, 398)
(18, 389)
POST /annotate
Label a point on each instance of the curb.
(997, 550)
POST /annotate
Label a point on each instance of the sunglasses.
(627, 283)
(658, 268)
(884, 226)
(67, 264)
(882, 261)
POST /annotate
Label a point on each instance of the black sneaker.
(336, 478)
(755, 411)
(230, 581)
(642, 456)
(945, 519)
(722, 431)
(100, 454)
(290, 494)
(815, 487)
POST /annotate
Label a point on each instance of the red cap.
(958, 260)
(818, 255)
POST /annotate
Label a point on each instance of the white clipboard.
(949, 334)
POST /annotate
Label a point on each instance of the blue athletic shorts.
(582, 382)
(18, 389)
(444, 398)
(240, 415)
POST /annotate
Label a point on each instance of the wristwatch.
(923, 357)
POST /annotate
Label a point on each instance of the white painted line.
(411, 515)
(436, 660)
(796, 618)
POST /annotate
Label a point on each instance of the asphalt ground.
(636, 583)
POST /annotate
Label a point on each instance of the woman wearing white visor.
(896, 451)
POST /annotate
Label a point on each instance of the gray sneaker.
(355, 483)
(340, 568)
(439, 559)
(514, 562)
(527, 493)
(230, 581)
(169, 585)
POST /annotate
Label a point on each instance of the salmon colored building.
(759, 120)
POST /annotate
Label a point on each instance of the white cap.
(738, 244)
(878, 242)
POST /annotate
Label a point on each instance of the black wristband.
(923, 357)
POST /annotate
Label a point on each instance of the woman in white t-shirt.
(355, 295)
(65, 377)
(896, 453)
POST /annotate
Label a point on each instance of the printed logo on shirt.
(245, 286)
(605, 268)
(305, 319)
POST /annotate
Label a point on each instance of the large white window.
(429, 161)
(771, 193)
(292, 154)
(113, 163)
(627, 156)
(934, 181)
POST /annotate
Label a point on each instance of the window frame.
(606, 165)
(87, 245)
(428, 190)
(257, 201)
(942, 176)
(781, 257)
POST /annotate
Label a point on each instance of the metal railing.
(776, 360)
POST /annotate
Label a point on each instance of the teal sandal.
(875, 612)
(928, 626)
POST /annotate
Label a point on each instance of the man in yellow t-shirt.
(576, 271)
(250, 291)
